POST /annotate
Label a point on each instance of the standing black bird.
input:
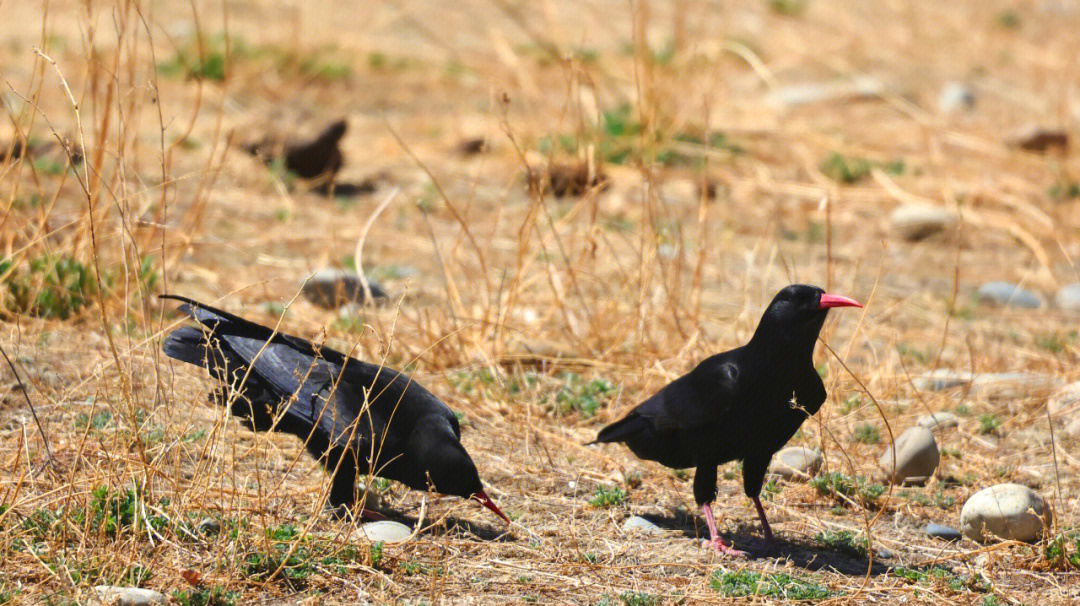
(354, 417)
(742, 404)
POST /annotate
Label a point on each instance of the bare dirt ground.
(743, 146)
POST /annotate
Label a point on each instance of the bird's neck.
(783, 347)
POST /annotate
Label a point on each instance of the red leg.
(764, 521)
(718, 544)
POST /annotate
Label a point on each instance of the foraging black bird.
(354, 417)
(743, 404)
(316, 158)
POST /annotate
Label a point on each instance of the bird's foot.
(723, 548)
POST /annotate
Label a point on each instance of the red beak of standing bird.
(828, 301)
(749, 387)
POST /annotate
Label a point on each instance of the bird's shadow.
(800, 551)
(347, 190)
(445, 525)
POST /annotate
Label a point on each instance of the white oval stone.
(1005, 511)
(796, 462)
(386, 531)
(918, 221)
(917, 457)
(127, 596)
(1068, 297)
(938, 421)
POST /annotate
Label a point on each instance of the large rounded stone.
(126, 596)
(917, 457)
(938, 421)
(1008, 294)
(386, 531)
(918, 221)
(1005, 511)
(796, 462)
(640, 524)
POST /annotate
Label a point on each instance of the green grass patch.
(843, 541)
(745, 583)
(836, 483)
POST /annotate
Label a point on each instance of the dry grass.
(503, 290)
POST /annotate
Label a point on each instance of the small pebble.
(956, 96)
(386, 531)
(796, 462)
(1068, 297)
(938, 421)
(1005, 511)
(883, 554)
(127, 596)
(917, 457)
(640, 524)
(946, 533)
(1008, 294)
(918, 221)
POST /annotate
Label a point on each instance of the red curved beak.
(828, 301)
(487, 502)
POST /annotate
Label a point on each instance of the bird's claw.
(723, 548)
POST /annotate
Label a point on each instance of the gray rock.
(917, 221)
(1002, 384)
(937, 531)
(796, 462)
(209, 526)
(1008, 294)
(883, 554)
(126, 596)
(386, 531)
(640, 524)
(1068, 297)
(917, 457)
(1005, 511)
(332, 288)
(956, 96)
(939, 421)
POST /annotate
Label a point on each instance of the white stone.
(126, 596)
(938, 421)
(956, 96)
(918, 221)
(1068, 297)
(917, 457)
(386, 531)
(640, 524)
(796, 462)
(1005, 511)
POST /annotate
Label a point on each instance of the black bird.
(354, 417)
(742, 404)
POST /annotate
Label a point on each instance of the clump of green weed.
(745, 583)
(581, 396)
(607, 497)
(843, 541)
(836, 483)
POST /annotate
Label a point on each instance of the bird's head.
(797, 312)
(451, 471)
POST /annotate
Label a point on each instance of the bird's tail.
(187, 344)
(620, 431)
